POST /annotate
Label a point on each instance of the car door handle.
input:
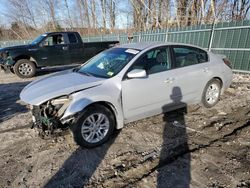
(169, 80)
(65, 47)
(206, 69)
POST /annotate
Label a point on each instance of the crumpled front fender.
(76, 106)
(79, 105)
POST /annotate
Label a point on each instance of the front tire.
(211, 93)
(24, 68)
(94, 126)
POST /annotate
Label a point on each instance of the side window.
(185, 56)
(72, 38)
(154, 61)
(53, 40)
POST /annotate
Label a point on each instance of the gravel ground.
(192, 147)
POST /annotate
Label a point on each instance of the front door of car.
(142, 97)
(54, 51)
(192, 71)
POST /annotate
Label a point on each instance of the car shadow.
(80, 166)
(174, 164)
(10, 105)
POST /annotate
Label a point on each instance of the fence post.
(166, 38)
(211, 37)
(140, 37)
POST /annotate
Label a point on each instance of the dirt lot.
(200, 148)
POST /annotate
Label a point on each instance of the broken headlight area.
(3, 56)
(6, 58)
(46, 117)
(6, 62)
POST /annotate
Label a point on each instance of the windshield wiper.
(76, 69)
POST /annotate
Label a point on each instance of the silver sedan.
(124, 84)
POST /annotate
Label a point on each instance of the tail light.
(227, 62)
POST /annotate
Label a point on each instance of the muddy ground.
(192, 147)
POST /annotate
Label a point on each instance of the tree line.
(24, 19)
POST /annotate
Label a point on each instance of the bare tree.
(21, 14)
(182, 12)
(50, 4)
(104, 13)
(86, 12)
(81, 12)
(240, 9)
(68, 12)
(112, 9)
(93, 14)
(202, 12)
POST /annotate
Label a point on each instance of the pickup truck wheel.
(24, 68)
(94, 126)
(211, 93)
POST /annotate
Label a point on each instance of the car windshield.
(108, 63)
(38, 39)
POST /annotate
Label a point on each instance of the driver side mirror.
(137, 73)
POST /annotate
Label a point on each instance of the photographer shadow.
(174, 164)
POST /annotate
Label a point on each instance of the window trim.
(53, 34)
(141, 56)
(185, 46)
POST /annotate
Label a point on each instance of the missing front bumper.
(48, 126)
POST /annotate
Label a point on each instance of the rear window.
(72, 38)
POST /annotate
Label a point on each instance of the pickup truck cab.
(49, 49)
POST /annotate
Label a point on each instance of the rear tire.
(24, 68)
(211, 93)
(94, 126)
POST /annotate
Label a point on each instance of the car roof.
(60, 32)
(145, 45)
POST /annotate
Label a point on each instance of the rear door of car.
(75, 48)
(192, 71)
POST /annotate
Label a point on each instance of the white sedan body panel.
(143, 97)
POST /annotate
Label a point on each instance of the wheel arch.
(218, 78)
(84, 104)
(107, 105)
(30, 58)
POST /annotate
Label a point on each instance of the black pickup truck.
(49, 49)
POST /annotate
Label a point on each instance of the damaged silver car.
(124, 84)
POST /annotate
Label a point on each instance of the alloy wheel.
(95, 127)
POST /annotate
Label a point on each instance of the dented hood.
(56, 85)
